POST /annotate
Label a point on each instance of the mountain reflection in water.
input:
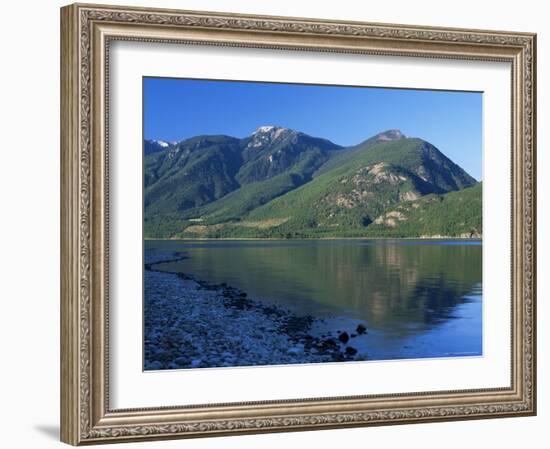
(425, 293)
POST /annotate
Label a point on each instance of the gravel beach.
(189, 323)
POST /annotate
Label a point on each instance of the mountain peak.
(267, 134)
(390, 134)
(264, 129)
(268, 129)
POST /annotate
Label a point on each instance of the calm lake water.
(418, 298)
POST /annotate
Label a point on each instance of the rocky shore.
(189, 323)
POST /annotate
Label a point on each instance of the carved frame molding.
(87, 31)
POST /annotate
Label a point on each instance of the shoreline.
(190, 323)
(467, 239)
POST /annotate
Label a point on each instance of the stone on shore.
(343, 337)
(350, 350)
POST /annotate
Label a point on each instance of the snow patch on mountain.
(266, 134)
(264, 129)
(162, 143)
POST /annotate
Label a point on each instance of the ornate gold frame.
(86, 31)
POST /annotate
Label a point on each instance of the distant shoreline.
(317, 238)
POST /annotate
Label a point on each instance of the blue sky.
(175, 109)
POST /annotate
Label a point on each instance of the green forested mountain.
(203, 169)
(190, 174)
(283, 183)
(455, 213)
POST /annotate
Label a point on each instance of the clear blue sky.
(176, 109)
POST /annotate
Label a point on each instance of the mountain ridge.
(287, 182)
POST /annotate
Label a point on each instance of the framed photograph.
(280, 224)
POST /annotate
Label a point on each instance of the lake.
(417, 298)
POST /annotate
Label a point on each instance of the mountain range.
(279, 182)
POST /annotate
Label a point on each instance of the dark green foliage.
(238, 203)
(196, 172)
(192, 173)
(453, 214)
